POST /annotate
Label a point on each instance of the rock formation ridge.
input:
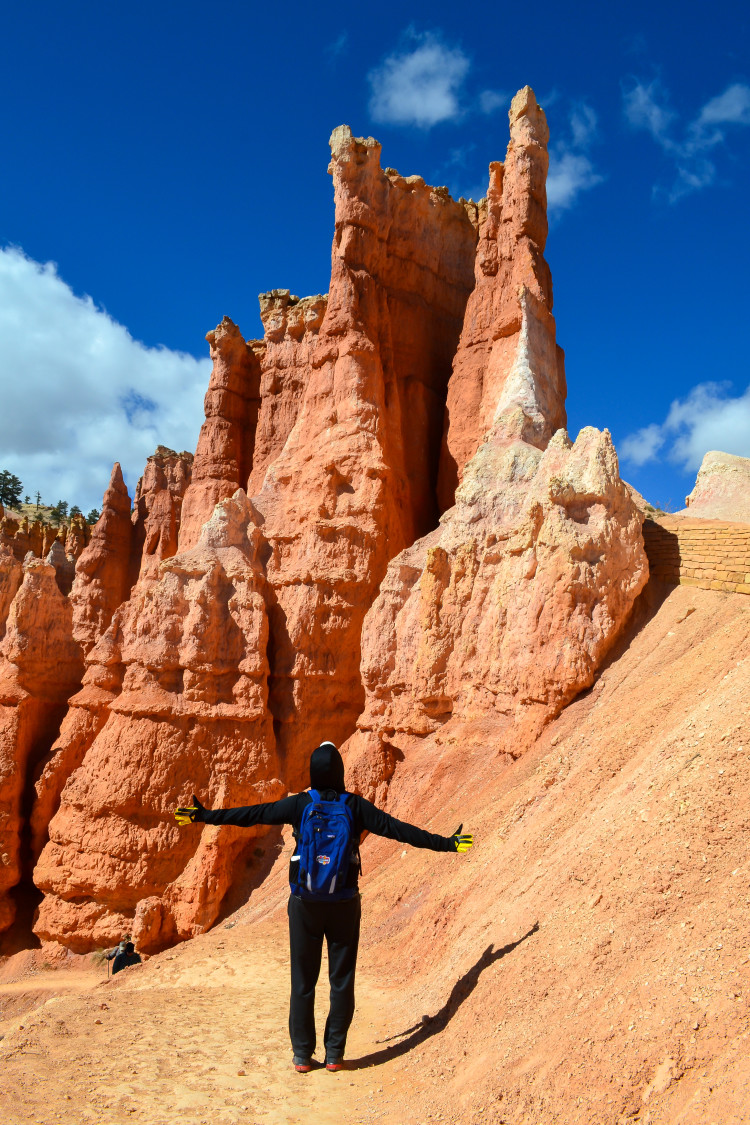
(385, 531)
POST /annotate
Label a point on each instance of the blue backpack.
(326, 846)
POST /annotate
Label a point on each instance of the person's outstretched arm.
(379, 822)
(284, 811)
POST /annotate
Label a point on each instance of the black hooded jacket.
(327, 776)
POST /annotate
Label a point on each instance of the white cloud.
(423, 86)
(643, 445)
(570, 173)
(646, 108)
(420, 86)
(571, 170)
(339, 45)
(78, 392)
(583, 126)
(730, 108)
(708, 418)
(492, 100)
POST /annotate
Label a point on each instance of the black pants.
(309, 923)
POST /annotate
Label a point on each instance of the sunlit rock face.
(157, 511)
(506, 610)
(11, 574)
(103, 569)
(68, 540)
(183, 673)
(225, 446)
(345, 444)
(285, 354)
(48, 625)
(40, 668)
(355, 479)
(722, 489)
(508, 352)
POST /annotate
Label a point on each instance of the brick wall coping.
(711, 554)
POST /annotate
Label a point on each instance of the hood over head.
(327, 768)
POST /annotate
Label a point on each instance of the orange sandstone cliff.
(296, 579)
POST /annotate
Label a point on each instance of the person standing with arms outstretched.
(324, 901)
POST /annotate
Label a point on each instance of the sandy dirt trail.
(196, 1035)
(623, 833)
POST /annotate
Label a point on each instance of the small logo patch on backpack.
(322, 859)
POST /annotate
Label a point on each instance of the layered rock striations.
(355, 480)
(102, 581)
(504, 613)
(157, 511)
(125, 548)
(47, 724)
(40, 667)
(11, 574)
(184, 666)
(338, 490)
(102, 584)
(22, 536)
(285, 353)
(224, 453)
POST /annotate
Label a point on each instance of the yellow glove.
(190, 814)
(462, 843)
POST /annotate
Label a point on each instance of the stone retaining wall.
(711, 554)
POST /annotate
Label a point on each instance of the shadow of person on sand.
(432, 1025)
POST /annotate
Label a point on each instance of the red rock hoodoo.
(292, 581)
(157, 511)
(291, 328)
(103, 570)
(355, 480)
(225, 445)
(507, 352)
(40, 666)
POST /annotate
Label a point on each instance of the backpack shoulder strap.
(343, 796)
(314, 795)
(303, 814)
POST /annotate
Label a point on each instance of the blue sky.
(170, 160)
